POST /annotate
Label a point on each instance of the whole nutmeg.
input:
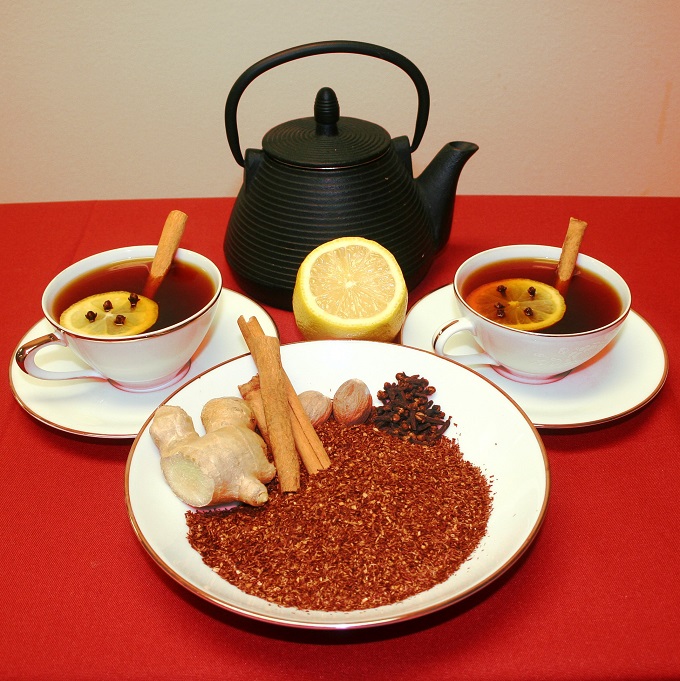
(316, 405)
(352, 402)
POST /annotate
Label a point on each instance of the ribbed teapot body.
(283, 212)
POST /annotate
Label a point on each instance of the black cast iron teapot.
(327, 176)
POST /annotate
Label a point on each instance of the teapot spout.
(438, 184)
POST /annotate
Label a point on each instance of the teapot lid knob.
(327, 140)
(326, 112)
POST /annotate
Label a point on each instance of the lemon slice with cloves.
(110, 315)
(522, 304)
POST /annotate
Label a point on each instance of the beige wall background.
(125, 99)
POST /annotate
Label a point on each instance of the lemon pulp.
(111, 314)
(350, 287)
(518, 303)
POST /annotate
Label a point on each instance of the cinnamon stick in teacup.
(570, 248)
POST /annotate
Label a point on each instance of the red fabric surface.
(597, 596)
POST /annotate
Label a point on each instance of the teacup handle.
(26, 354)
(444, 332)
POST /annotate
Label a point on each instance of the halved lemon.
(350, 287)
(112, 314)
(518, 303)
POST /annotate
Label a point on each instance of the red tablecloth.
(597, 596)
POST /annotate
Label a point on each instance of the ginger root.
(222, 411)
(228, 463)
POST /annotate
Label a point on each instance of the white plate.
(621, 379)
(492, 431)
(97, 409)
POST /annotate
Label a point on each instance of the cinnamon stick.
(165, 251)
(311, 449)
(305, 449)
(570, 248)
(251, 393)
(266, 354)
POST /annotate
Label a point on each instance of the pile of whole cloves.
(408, 412)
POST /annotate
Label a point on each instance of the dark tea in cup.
(185, 290)
(591, 302)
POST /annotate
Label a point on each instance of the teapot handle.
(326, 47)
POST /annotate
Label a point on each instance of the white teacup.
(141, 363)
(529, 356)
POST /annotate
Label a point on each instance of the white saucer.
(621, 379)
(97, 409)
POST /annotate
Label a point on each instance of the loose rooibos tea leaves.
(388, 520)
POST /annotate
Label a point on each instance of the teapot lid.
(327, 140)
